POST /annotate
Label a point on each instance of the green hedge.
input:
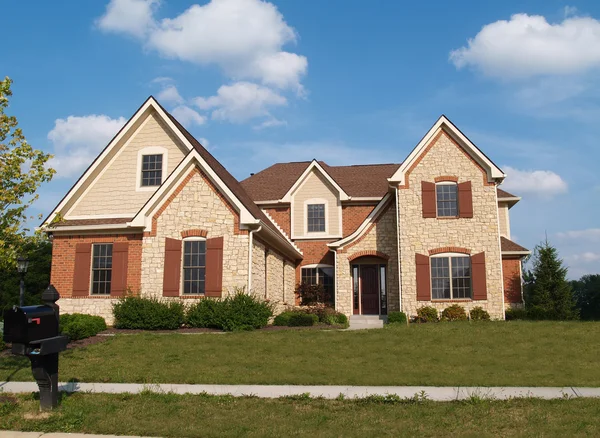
(300, 319)
(427, 314)
(310, 316)
(148, 314)
(396, 318)
(454, 313)
(478, 314)
(79, 326)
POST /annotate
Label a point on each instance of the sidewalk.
(11, 434)
(434, 393)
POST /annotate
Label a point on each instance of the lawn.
(450, 354)
(200, 415)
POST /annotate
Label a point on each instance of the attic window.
(152, 170)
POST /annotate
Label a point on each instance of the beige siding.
(503, 220)
(114, 192)
(316, 187)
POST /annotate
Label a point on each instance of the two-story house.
(156, 214)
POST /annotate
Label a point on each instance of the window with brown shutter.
(423, 278)
(120, 252)
(214, 267)
(479, 277)
(465, 200)
(172, 268)
(82, 269)
(428, 199)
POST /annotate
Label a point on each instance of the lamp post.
(22, 264)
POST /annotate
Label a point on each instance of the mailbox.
(30, 324)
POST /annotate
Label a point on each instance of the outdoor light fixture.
(22, 265)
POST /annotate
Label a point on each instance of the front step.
(360, 322)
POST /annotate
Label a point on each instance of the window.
(450, 277)
(315, 218)
(320, 275)
(152, 170)
(194, 264)
(101, 268)
(447, 199)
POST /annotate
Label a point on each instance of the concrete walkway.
(435, 393)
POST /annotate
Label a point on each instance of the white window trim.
(151, 150)
(449, 255)
(447, 183)
(317, 266)
(91, 288)
(181, 276)
(316, 201)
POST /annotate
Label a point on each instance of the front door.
(369, 290)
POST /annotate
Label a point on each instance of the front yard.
(516, 353)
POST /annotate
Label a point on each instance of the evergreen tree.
(548, 294)
(587, 295)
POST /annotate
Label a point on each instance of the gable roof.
(272, 183)
(509, 247)
(505, 194)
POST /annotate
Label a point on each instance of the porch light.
(22, 265)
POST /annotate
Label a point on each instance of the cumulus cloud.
(590, 234)
(541, 183)
(240, 102)
(527, 46)
(585, 257)
(78, 140)
(243, 37)
(187, 116)
(169, 94)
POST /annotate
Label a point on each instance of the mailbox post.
(33, 332)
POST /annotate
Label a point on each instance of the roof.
(508, 245)
(505, 194)
(80, 222)
(272, 183)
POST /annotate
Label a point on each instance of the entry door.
(369, 290)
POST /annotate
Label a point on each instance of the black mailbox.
(30, 324)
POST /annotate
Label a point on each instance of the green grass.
(451, 354)
(171, 415)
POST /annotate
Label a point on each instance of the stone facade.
(196, 206)
(90, 306)
(380, 238)
(478, 234)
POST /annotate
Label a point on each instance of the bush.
(148, 314)
(301, 319)
(79, 326)
(283, 319)
(328, 315)
(478, 314)
(238, 312)
(454, 313)
(313, 294)
(513, 314)
(427, 314)
(396, 318)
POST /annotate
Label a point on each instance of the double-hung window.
(315, 218)
(194, 266)
(320, 275)
(450, 277)
(447, 199)
(101, 268)
(152, 166)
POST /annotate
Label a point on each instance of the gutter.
(250, 241)
(335, 277)
(398, 248)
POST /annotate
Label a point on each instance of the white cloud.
(169, 94)
(187, 116)
(243, 37)
(78, 140)
(240, 102)
(527, 45)
(162, 80)
(270, 123)
(542, 183)
(586, 257)
(133, 17)
(569, 11)
(591, 234)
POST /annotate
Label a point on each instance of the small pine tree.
(548, 294)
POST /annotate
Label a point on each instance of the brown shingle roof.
(505, 194)
(509, 245)
(369, 180)
(76, 222)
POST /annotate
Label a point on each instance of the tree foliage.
(548, 294)
(22, 171)
(587, 295)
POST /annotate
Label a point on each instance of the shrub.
(2, 344)
(301, 319)
(516, 313)
(478, 314)
(283, 319)
(205, 313)
(342, 319)
(454, 313)
(328, 315)
(396, 318)
(312, 294)
(79, 326)
(427, 314)
(148, 314)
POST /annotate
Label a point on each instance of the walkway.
(435, 393)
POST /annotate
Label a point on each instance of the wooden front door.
(369, 290)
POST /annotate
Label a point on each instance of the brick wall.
(353, 216)
(511, 270)
(281, 215)
(314, 251)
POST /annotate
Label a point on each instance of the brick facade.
(353, 216)
(511, 270)
(281, 215)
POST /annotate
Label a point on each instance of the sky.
(342, 81)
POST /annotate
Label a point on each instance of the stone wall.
(478, 234)
(272, 275)
(275, 280)
(196, 206)
(259, 269)
(289, 284)
(90, 306)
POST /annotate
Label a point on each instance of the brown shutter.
(172, 266)
(214, 267)
(478, 276)
(81, 271)
(423, 278)
(118, 283)
(428, 195)
(465, 199)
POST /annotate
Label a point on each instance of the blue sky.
(347, 82)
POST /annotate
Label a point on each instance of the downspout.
(398, 248)
(250, 241)
(500, 249)
(335, 275)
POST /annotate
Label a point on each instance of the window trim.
(450, 255)
(446, 183)
(316, 201)
(182, 273)
(317, 266)
(151, 150)
(91, 293)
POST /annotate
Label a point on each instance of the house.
(157, 214)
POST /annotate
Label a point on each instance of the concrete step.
(359, 322)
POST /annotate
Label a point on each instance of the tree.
(587, 295)
(22, 171)
(548, 294)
